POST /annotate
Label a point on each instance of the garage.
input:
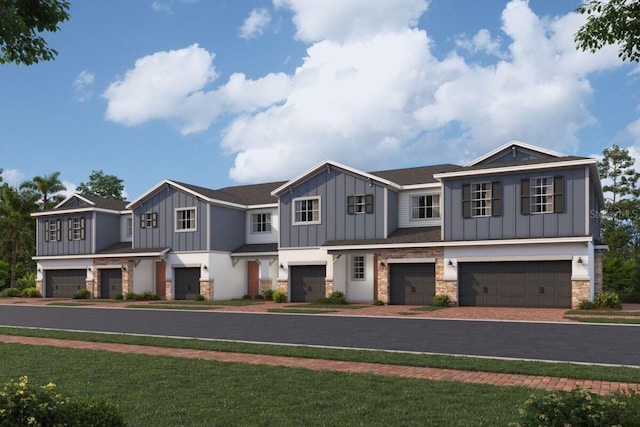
(110, 282)
(64, 283)
(515, 284)
(187, 283)
(412, 284)
(307, 283)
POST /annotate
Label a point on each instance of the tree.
(611, 22)
(108, 186)
(22, 22)
(48, 187)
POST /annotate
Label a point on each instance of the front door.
(161, 274)
(253, 277)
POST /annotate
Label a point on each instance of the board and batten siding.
(333, 187)
(227, 228)
(164, 203)
(512, 224)
(404, 209)
(107, 230)
(64, 246)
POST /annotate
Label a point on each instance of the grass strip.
(427, 308)
(617, 320)
(338, 306)
(232, 303)
(172, 307)
(591, 313)
(299, 311)
(72, 304)
(568, 370)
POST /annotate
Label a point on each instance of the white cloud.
(161, 7)
(82, 86)
(481, 42)
(70, 188)
(255, 23)
(13, 177)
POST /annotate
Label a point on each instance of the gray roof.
(399, 236)
(105, 203)
(526, 162)
(417, 175)
(125, 248)
(255, 194)
(256, 248)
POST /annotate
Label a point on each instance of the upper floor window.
(360, 204)
(129, 227)
(261, 223)
(542, 194)
(358, 267)
(480, 199)
(306, 211)
(425, 207)
(76, 228)
(186, 219)
(52, 231)
(149, 220)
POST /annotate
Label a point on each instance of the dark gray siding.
(594, 213)
(107, 230)
(227, 228)
(164, 203)
(74, 202)
(64, 246)
(392, 212)
(333, 189)
(509, 155)
(512, 223)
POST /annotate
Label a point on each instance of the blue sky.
(218, 93)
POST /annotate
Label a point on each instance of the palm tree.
(48, 186)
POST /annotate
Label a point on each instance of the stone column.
(579, 292)
(40, 287)
(383, 280)
(206, 289)
(264, 285)
(328, 287)
(168, 290)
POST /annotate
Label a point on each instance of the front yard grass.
(232, 303)
(173, 307)
(339, 306)
(165, 391)
(300, 310)
(604, 316)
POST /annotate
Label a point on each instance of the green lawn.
(164, 391)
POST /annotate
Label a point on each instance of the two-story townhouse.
(516, 227)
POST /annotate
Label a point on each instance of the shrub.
(323, 300)
(268, 294)
(246, 296)
(130, 296)
(631, 296)
(26, 281)
(24, 404)
(31, 293)
(607, 299)
(580, 408)
(586, 305)
(441, 300)
(378, 302)
(82, 294)
(149, 296)
(337, 297)
(10, 292)
(200, 297)
(119, 296)
(258, 297)
(280, 296)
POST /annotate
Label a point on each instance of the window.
(360, 204)
(129, 227)
(425, 207)
(358, 267)
(76, 228)
(481, 199)
(186, 219)
(149, 220)
(306, 211)
(542, 195)
(261, 223)
(52, 231)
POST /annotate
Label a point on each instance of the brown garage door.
(515, 284)
(64, 283)
(412, 284)
(187, 282)
(110, 282)
(307, 283)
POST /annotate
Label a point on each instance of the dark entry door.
(64, 283)
(412, 284)
(110, 282)
(307, 283)
(187, 282)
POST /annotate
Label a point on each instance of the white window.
(261, 223)
(52, 231)
(425, 207)
(306, 211)
(129, 227)
(481, 199)
(360, 204)
(542, 194)
(76, 229)
(149, 220)
(358, 267)
(186, 219)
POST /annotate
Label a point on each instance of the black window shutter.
(350, 205)
(82, 228)
(46, 231)
(154, 219)
(525, 196)
(143, 221)
(59, 230)
(495, 199)
(558, 194)
(466, 201)
(369, 203)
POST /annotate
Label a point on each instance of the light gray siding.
(227, 228)
(333, 187)
(107, 230)
(64, 246)
(164, 203)
(512, 224)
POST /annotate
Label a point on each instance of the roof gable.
(79, 201)
(514, 151)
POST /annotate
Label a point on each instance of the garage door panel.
(64, 283)
(516, 284)
(412, 284)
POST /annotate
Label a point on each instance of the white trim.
(410, 260)
(303, 263)
(519, 168)
(518, 144)
(352, 270)
(263, 206)
(76, 210)
(421, 186)
(251, 223)
(186, 190)
(71, 196)
(195, 220)
(293, 211)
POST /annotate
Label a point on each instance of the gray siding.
(594, 214)
(333, 188)
(164, 203)
(512, 224)
(227, 228)
(75, 202)
(64, 246)
(392, 212)
(507, 156)
(107, 230)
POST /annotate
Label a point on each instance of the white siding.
(404, 209)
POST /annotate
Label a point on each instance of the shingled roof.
(417, 175)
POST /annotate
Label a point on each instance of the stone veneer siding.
(328, 287)
(168, 289)
(206, 289)
(264, 285)
(579, 292)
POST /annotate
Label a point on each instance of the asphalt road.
(608, 344)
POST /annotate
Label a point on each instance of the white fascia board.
(329, 163)
(519, 168)
(114, 255)
(421, 186)
(518, 144)
(76, 210)
(71, 196)
(546, 241)
(263, 206)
